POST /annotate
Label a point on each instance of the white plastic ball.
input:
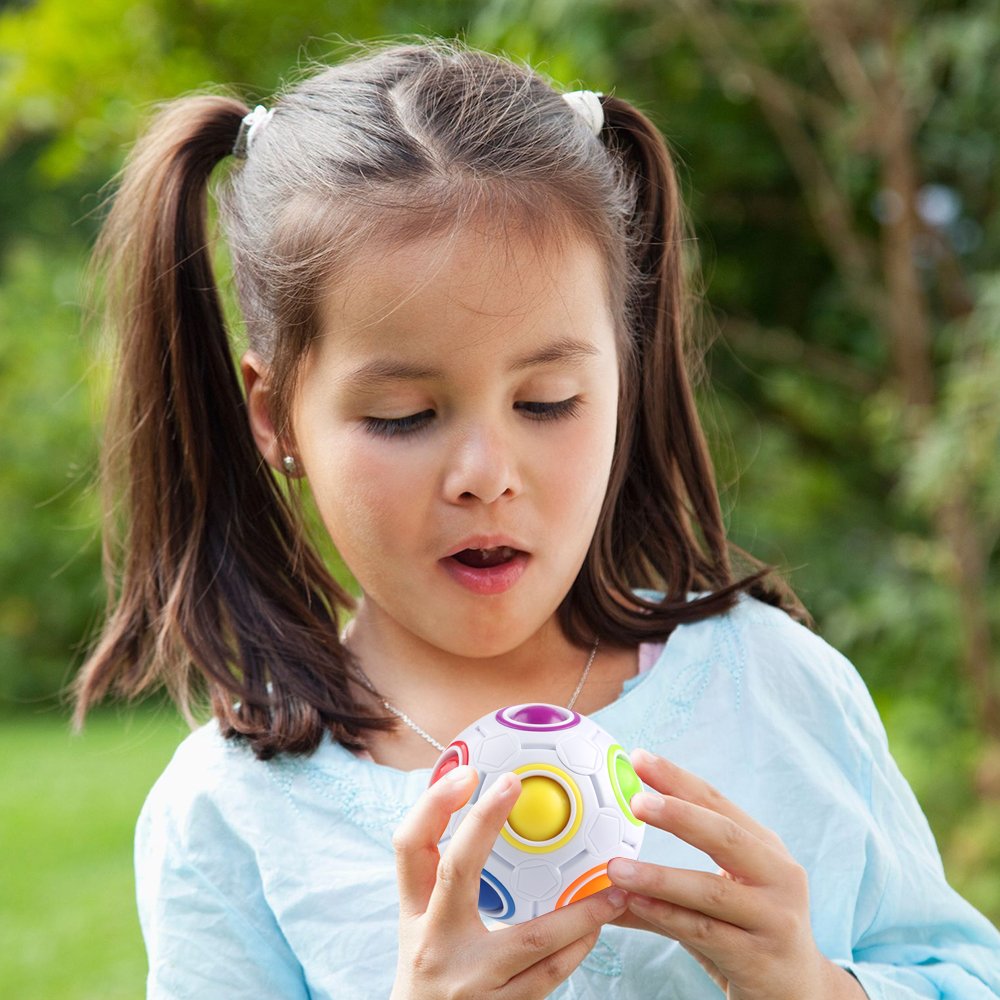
(571, 817)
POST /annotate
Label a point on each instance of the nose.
(481, 466)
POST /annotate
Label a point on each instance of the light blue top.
(277, 879)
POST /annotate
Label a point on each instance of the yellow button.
(542, 809)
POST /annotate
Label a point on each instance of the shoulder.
(774, 670)
(774, 650)
(200, 831)
(202, 789)
(803, 694)
(205, 761)
(201, 876)
(792, 658)
(780, 699)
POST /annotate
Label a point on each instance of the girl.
(467, 326)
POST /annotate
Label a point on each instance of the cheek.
(364, 497)
(582, 464)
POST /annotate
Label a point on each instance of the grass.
(68, 806)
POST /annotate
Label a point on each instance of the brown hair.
(214, 588)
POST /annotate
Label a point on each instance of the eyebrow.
(374, 373)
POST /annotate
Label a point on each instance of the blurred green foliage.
(805, 416)
(49, 561)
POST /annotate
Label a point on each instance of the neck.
(443, 687)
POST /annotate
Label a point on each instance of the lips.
(486, 565)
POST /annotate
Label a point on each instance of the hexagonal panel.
(494, 752)
(605, 833)
(536, 880)
(580, 754)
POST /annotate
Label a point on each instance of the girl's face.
(462, 397)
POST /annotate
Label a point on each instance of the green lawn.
(68, 805)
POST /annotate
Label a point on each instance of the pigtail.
(662, 525)
(683, 467)
(211, 590)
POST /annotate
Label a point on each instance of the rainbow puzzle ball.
(571, 818)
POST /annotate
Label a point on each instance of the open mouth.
(485, 558)
(488, 571)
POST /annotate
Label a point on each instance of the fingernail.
(647, 802)
(643, 757)
(617, 898)
(620, 868)
(503, 785)
(457, 774)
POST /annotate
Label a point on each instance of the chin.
(491, 637)
(476, 647)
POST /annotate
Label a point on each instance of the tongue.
(483, 558)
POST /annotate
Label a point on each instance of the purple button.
(537, 716)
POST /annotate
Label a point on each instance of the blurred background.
(841, 162)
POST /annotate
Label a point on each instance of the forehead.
(458, 290)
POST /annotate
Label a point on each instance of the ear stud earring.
(291, 466)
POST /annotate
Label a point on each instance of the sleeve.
(914, 936)
(207, 926)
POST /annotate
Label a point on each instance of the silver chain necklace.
(403, 717)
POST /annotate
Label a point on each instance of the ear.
(255, 373)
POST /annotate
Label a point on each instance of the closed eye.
(393, 426)
(551, 411)
(397, 426)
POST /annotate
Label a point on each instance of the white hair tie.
(249, 128)
(587, 104)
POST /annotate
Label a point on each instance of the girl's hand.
(444, 949)
(748, 924)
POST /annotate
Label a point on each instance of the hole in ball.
(540, 715)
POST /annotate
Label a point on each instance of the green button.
(628, 780)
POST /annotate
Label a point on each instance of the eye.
(395, 426)
(552, 411)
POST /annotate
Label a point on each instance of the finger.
(527, 944)
(544, 976)
(456, 888)
(712, 938)
(733, 847)
(415, 840)
(634, 922)
(669, 779)
(714, 895)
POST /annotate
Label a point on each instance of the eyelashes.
(383, 427)
(552, 411)
(400, 426)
